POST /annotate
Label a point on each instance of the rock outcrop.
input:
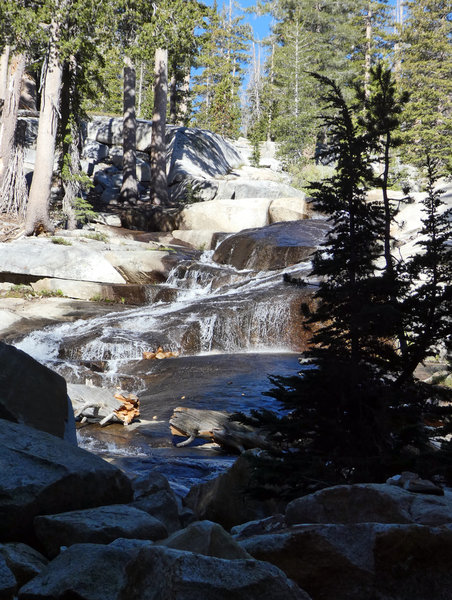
(33, 395)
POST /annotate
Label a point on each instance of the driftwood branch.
(215, 426)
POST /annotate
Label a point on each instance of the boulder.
(198, 238)
(138, 570)
(42, 474)
(198, 154)
(100, 525)
(140, 266)
(365, 560)
(94, 151)
(241, 188)
(273, 247)
(32, 394)
(24, 561)
(225, 499)
(366, 502)
(225, 215)
(207, 538)
(288, 209)
(39, 257)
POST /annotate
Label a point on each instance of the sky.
(260, 25)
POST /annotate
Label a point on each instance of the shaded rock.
(328, 561)
(366, 560)
(25, 562)
(198, 154)
(8, 583)
(32, 394)
(42, 474)
(149, 484)
(100, 525)
(362, 503)
(207, 538)
(142, 266)
(94, 151)
(273, 247)
(225, 499)
(163, 506)
(225, 215)
(141, 571)
(39, 257)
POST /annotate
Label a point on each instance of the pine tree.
(426, 73)
(427, 305)
(222, 59)
(350, 415)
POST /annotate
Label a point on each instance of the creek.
(232, 329)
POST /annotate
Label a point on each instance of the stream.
(231, 329)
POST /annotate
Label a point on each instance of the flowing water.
(232, 328)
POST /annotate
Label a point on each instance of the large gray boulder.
(39, 257)
(272, 247)
(365, 560)
(100, 525)
(241, 188)
(225, 215)
(140, 571)
(366, 502)
(32, 394)
(42, 474)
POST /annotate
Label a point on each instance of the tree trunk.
(159, 187)
(129, 189)
(368, 55)
(4, 61)
(10, 112)
(38, 218)
(173, 100)
(184, 100)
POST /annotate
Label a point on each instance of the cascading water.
(218, 321)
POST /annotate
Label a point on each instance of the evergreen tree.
(427, 306)
(426, 73)
(350, 416)
(222, 60)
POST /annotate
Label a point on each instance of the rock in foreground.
(44, 475)
(138, 570)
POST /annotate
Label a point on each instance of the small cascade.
(216, 309)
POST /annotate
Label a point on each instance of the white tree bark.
(4, 61)
(159, 186)
(38, 218)
(129, 189)
(10, 111)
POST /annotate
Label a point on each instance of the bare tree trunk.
(173, 99)
(368, 55)
(159, 186)
(129, 189)
(184, 100)
(140, 89)
(272, 81)
(38, 218)
(10, 112)
(4, 61)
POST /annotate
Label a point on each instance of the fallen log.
(96, 405)
(215, 426)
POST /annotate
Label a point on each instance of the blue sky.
(260, 25)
